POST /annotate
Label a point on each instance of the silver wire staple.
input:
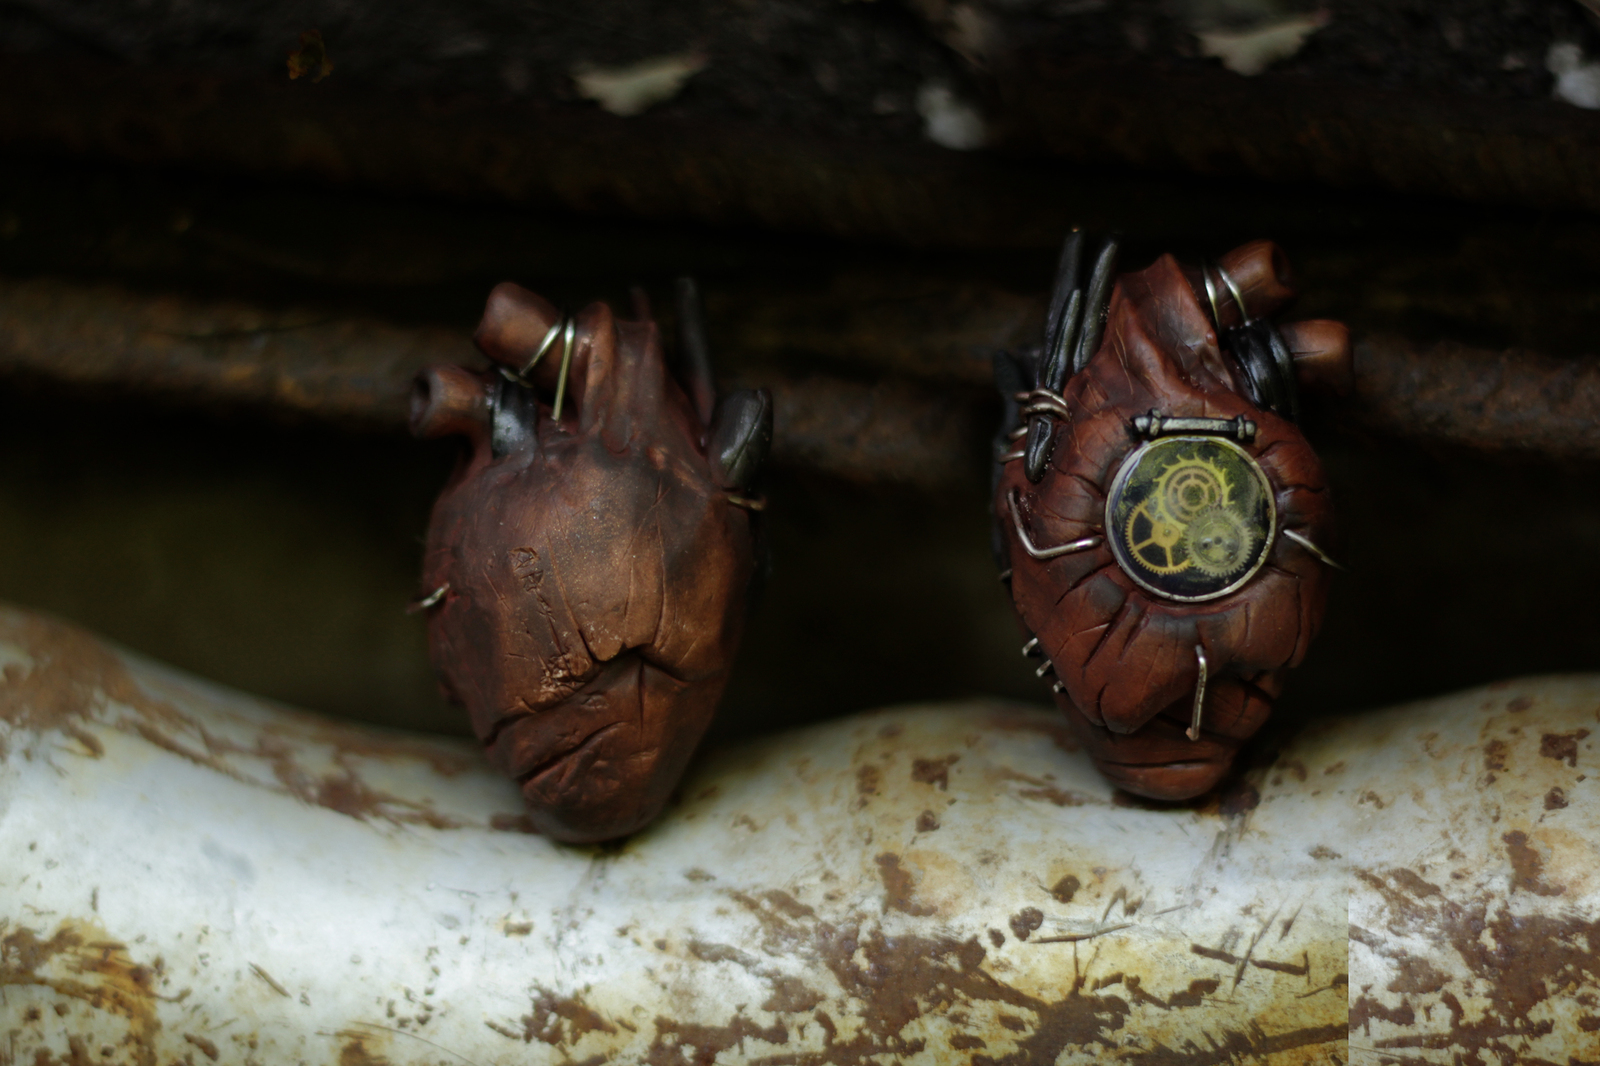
(567, 334)
(1199, 694)
(1312, 548)
(1211, 293)
(1238, 298)
(1084, 544)
(432, 599)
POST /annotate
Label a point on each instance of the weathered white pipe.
(188, 874)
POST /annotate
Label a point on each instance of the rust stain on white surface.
(197, 876)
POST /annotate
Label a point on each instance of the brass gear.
(1150, 534)
(1219, 542)
(1190, 486)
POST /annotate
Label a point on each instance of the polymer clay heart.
(587, 563)
(1159, 515)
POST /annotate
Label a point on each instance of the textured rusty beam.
(1512, 401)
(293, 361)
(309, 363)
(573, 158)
(1298, 129)
(918, 428)
(1048, 121)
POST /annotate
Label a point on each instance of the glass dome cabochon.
(1190, 518)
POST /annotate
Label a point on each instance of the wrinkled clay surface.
(193, 875)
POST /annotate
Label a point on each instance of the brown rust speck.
(1025, 921)
(1555, 799)
(1414, 883)
(899, 887)
(1521, 703)
(1293, 969)
(1417, 977)
(790, 995)
(927, 822)
(1527, 867)
(934, 771)
(1195, 995)
(1562, 747)
(207, 1048)
(1322, 851)
(561, 1021)
(677, 1043)
(356, 1051)
(512, 823)
(1494, 755)
(997, 938)
(1063, 890)
(1058, 796)
(1214, 953)
(787, 905)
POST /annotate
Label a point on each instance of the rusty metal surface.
(1070, 111)
(204, 875)
(1493, 401)
(308, 362)
(544, 155)
(198, 876)
(1291, 127)
(923, 428)
(298, 361)
(1475, 933)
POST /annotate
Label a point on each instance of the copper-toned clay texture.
(585, 577)
(1126, 659)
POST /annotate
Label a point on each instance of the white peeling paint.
(948, 120)
(1577, 81)
(634, 89)
(1253, 50)
(193, 868)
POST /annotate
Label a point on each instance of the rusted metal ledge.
(1512, 401)
(358, 371)
(1048, 121)
(927, 432)
(554, 156)
(1296, 129)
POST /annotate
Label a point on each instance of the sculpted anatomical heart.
(588, 562)
(1160, 516)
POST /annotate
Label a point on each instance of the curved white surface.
(192, 875)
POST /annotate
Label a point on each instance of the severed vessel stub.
(587, 566)
(1162, 523)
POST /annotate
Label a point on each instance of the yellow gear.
(1152, 538)
(1190, 486)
